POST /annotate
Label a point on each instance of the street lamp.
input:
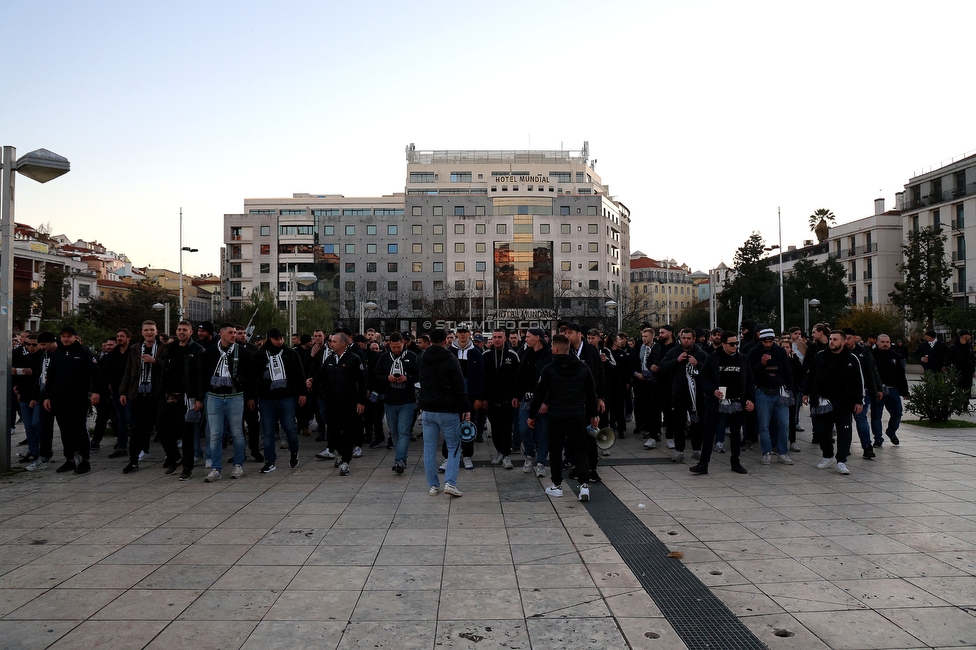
(163, 306)
(295, 279)
(183, 249)
(612, 304)
(363, 306)
(42, 166)
(807, 304)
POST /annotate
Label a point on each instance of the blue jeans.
(535, 441)
(123, 415)
(434, 425)
(767, 408)
(274, 411)
(32, 424)
(863, 428)
(223, 409)
(892, 403)
(399, 417)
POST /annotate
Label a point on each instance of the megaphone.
(604, 437)
(468, 431)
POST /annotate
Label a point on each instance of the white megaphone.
(604, 437)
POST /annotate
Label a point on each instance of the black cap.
(46, 337)
(537, 331)
(274, 333)
(849, 331)
(965, 332)
(306, 338)
(576, 327)
(206, 326)
(668, 327)
(68, 329)
(462, 327)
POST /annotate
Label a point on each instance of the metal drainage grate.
(699, 617)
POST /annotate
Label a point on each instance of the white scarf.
(145, 373)
(222, 377)
(276, 371)
(44, 364)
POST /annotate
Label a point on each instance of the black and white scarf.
(276, 371)
(44, 364)
(145, 372)
(223, 376)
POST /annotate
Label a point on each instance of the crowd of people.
(210, 388)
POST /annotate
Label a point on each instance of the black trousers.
(252, 426)
(568, 432)
(660, 407)
(145, 409)
(677, 418)
(72, 415)
(822, 424)
(500, 417)
(173, 427)
(642, 405)
(715, 422)
(615, 415)
(344, 425)
(104, 412)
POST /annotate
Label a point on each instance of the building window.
(438, 229)
(421, 177)
(565, 229)
(417, 249)
(480, 247)
(265, 231)
(350, 305)
(438, 210)
(459, 285)
(370, 230)
(480, 267)
(350, 285)
(591, 229)
(417, 211)
(371, 267)
(459, 247)
(459, 267)
(417, 304)
(501, 228)
(566, 265)
(564, 210)
(418, 267)
(566, 285)
(479, 285)
(392, 286)
(350, 230)
(417, 285)
(479, 210)
(417, 229)
(391, 267)
(370, 248)
(458, 210)
(543, 229)
(391, 249)
(391, 230)
(438, 267)
(460, 177)
(438, 285)
(480, 229)
(565, 247)
(591, 210)
(594, 285)
(459, 229)
(328, 231)
(265, 249)
(438, 248)
(593, 247)
(371, 286)
(391, 305)
(350, 249)
(265, 268)
(594, 266)
(350, 267)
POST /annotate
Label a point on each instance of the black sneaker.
(878, 443)
(171, 469)
(69, 466)
(698, 469)
(739, 469)
(389, 445)
(595, 478)
(868, 453)
(268, 468)
(27, 458)
(257, 456)
(293, 461)
(131, 467)
(119, 453)
(376, 443)
(186, 474)
(83, 467)
(95, 446)
(22, 442)
(893, 438)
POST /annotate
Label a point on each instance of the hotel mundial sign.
(520, 179)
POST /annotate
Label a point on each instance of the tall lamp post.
(612, 304)
(807, 304)
(294, 280)
(363, 307)
(163, 306)
(183, 249)
(42, 166)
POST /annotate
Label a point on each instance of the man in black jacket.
(567, 389)
(26, 366)
(773, 374)
(872, 388)
(181, 393)
(961, 358)
(67, 394)
(932, 353)
(894, 384)
(396, 373)
(342, 384)
(501, 367)
(141, 387)
(682, 365)
(281, 391)
(535, 440)
(442, 399)
(113, 370)
(834, 392)
(660, 385)
(589, 355)
(729, 392)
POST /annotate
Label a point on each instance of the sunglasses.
(733, 345)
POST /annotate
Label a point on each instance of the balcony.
(852, 277)
(940, 197)
(867, 275)
(868, 248)
(958, 258)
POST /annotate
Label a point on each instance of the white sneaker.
(679, 457)
(40, 463)
(719, 448)
(467, 463)
(604, 452)
(443, 468)
(214, 475)
(825, 463)
(554, 490)
(433, 491)
(650, 444)
(785, 459)
(452, 490)
(325, 454)
(357, 452)
(143, 455)
(528, 465)
(497, 460)
(766, 459)
(795, 447)
(584, 492)
(842, 468)
(238, 471)
(507, 462)
(208, 464)
(540, 470)
(670, 443)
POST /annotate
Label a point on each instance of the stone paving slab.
(805, 558)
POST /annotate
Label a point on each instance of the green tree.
(315, 314)
(826, 281)
(821, 214)
(49, 297)
(926, 274)
(129, 309)
(957, 318)
(752, 281)
(868, 319)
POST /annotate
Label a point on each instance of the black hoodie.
(441, 382)
(567, 386)
(294, 373)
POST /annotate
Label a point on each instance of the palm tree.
(820, 220)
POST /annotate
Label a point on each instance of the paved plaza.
(304, 558)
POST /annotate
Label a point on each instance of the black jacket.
(25, 383)
(533, 361)
(181, 369)
(133, 367)
(591, 357)
(731, 371)
(658, 352)
(567, 387)
(835, 376)
(871, 379)
(441, 382)
(677, 371)
(294, 373)
(342, 379)
(71, 373)
(472, 369)
(501, 369)
(891, 369)
(402, 393)
(961, 357)
(242, 371)
(112, 367)
(937, 353)
(777, 372)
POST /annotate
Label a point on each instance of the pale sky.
(704, 116)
